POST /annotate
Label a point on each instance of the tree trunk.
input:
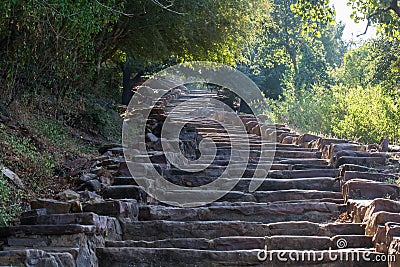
(127, 84)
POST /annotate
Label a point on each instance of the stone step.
(35, 257)
(85, 218)
(161, 229)
(125, 192)
(248, 172)
(220, 244)
(363, 161)
(294, 194)
(47, 230)
(285, 242)
(286, 174)
(318, 162)
(268, 184)
(114, 208)
(247, 243)
(262, 196)
(124, 257)
(379, 177)
(367, 189)
(310, 211)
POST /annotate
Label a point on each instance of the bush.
(307, 111)
(369, 114)
(10, 200)
(366, 114)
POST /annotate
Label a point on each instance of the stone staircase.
(290, 220)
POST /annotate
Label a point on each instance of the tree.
(285, 53)
(57, 47)
(376, 62)
(385, 14)
(188, 30)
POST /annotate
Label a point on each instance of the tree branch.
(379, 11)
(113, 10)
(394, 5)
(167, 7)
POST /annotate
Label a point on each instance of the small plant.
(9, 201)
(392, 181)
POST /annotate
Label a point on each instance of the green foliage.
(314, 13)
(196, 30)
(369, 114)
(385, 14)
(22, 154)
(375, 62)
(364, 103)
(366, 114)
(312, 110)
(50, 46)
(284, 54)
(10, 200)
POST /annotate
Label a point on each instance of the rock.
(93, 185)
(392, 230)
(394, 148)
(288, 140)
(384, 147)
(322, 142)
(52, 206)
(67, 195)
(87, 177)
(335, 148)
(151, 137)
(379, 239)
(381, 204)
(306, 138)
(366, 189)
(349, 153)
(379, 177)
(364, 161)
(394, 252)
(106, 180)
(89, 196)
(32, 213)
(114, 208)
(379, 219)
(108, 147)
(76, 164)
(13, 177)
(34, 257)
(356, 209)
(76, 206)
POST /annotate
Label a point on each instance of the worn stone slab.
(356, 209)
(285, 242)
(52, 206)
(220, 244)
(287, 174)
(363, 161)
(316, 212)
(381, 204)
(379, 177)
(124, 257)
(34, 257)
(114, 208)
(366, 189)
(46, 230)
(125, 192)
(380, 218)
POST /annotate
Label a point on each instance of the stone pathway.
(290, 220)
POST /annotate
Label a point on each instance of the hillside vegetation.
(67, 66)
